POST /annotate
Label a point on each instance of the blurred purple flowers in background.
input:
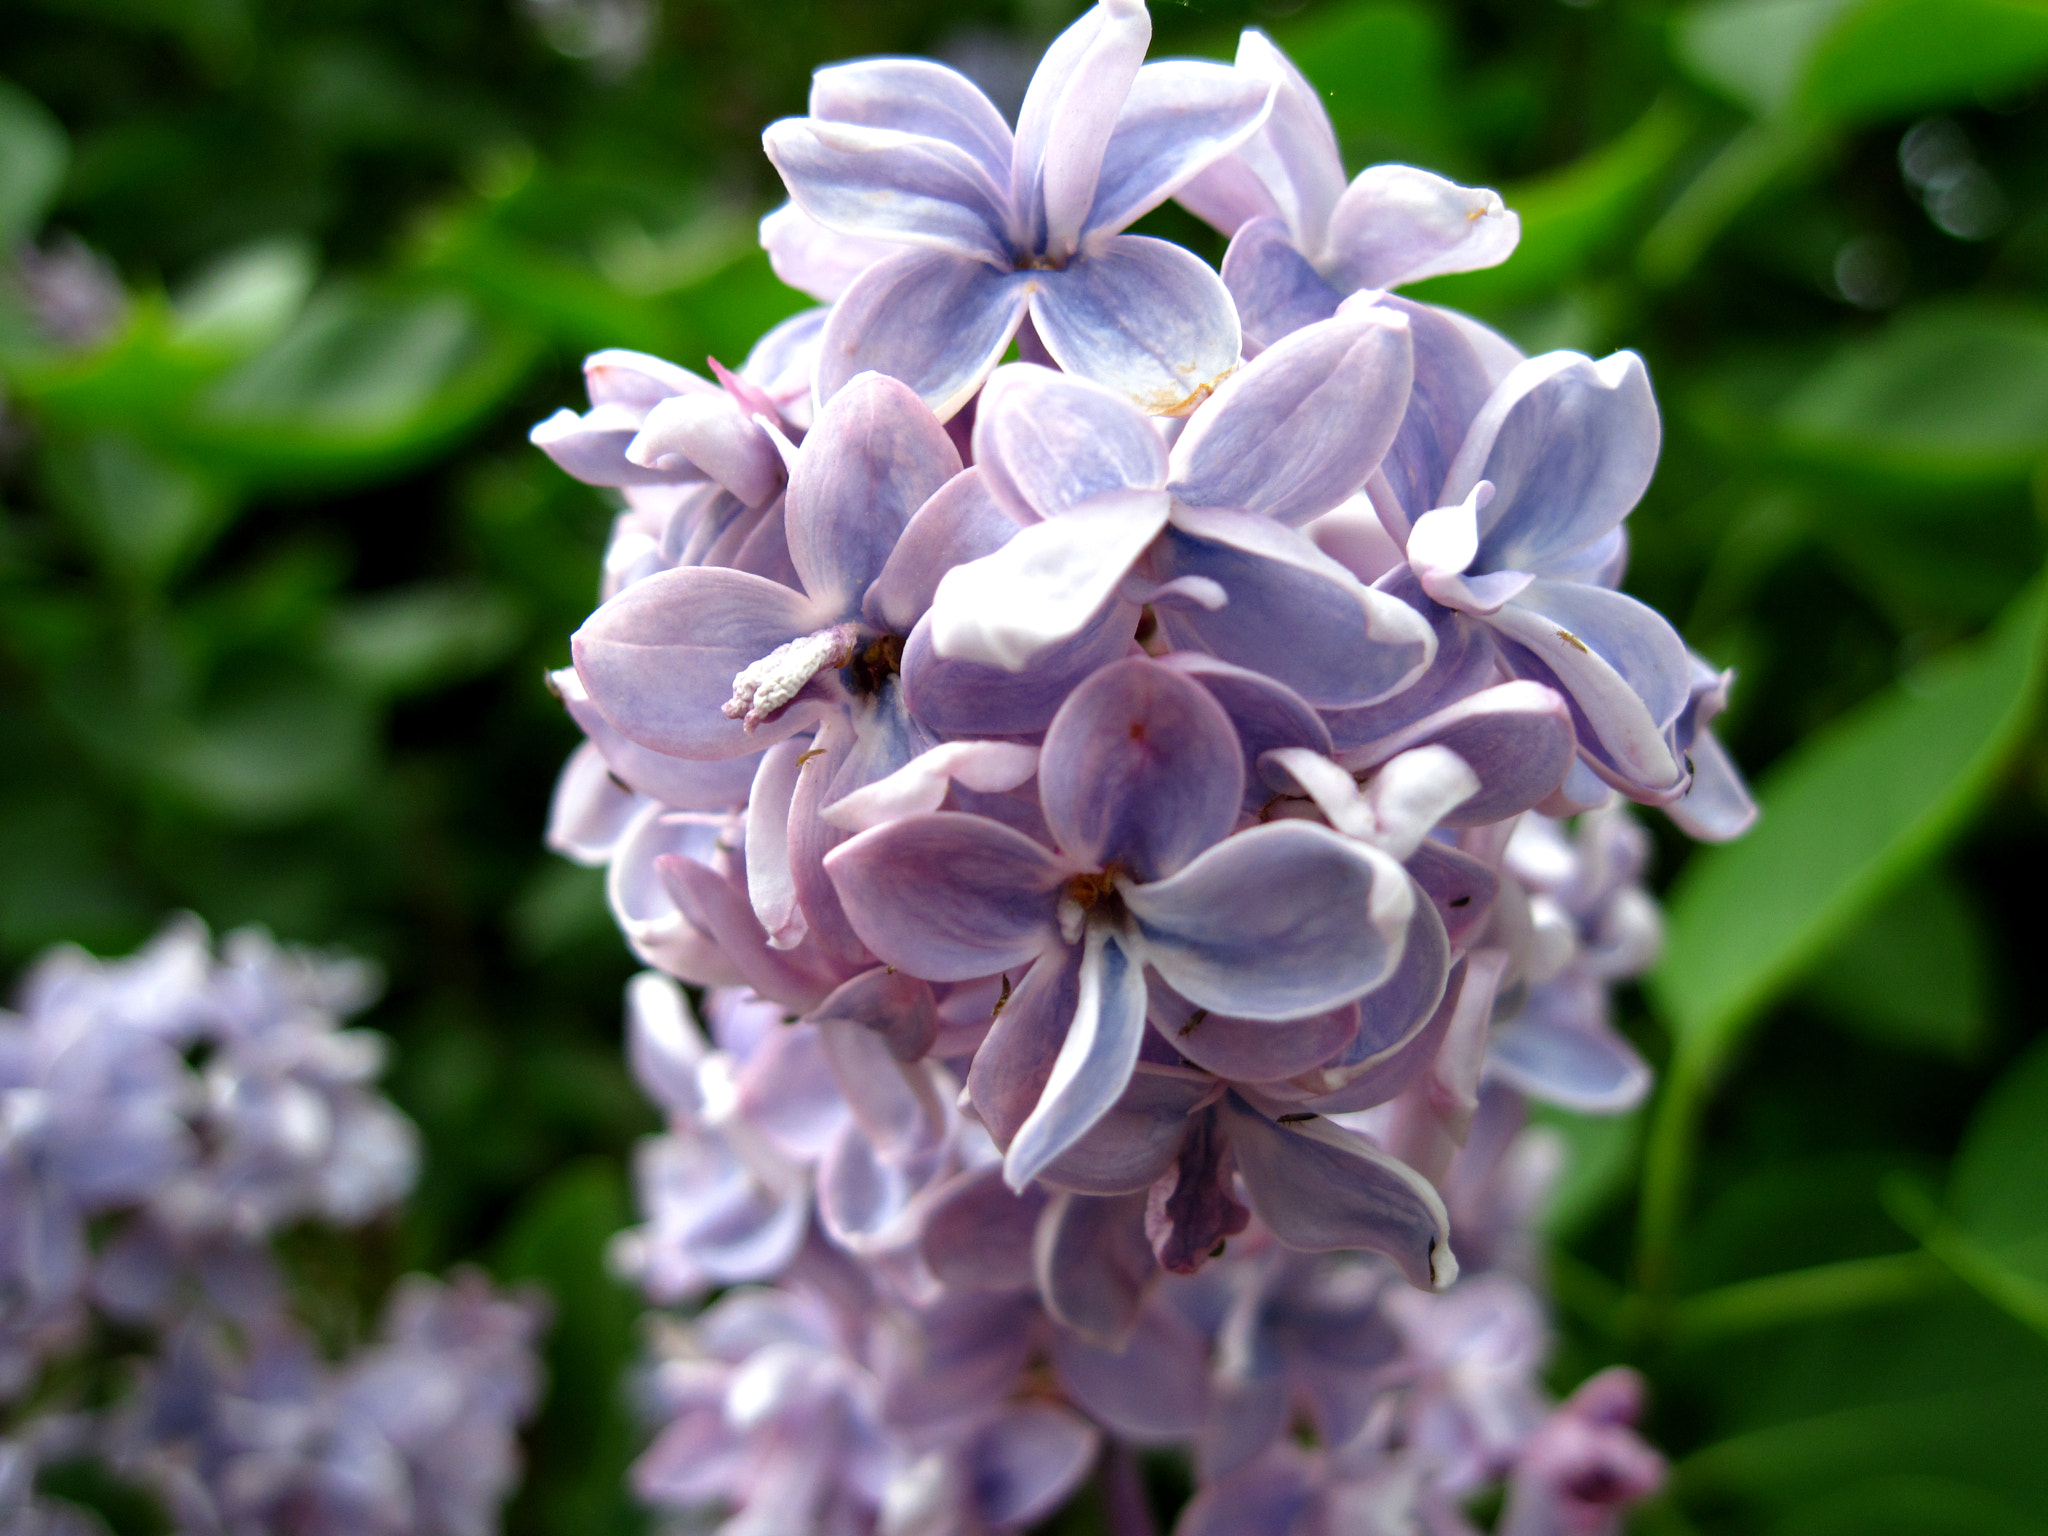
(163, 1117)
(1145, 818)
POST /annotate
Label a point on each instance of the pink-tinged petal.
(1623, 668)
(1460, 887)
(1277, 1495)
(1293, 159)
(1717, 807)
(1026, 1462)
(592, 447)
(771, 882)
(1135, 1141)
(885, 184)
(1149, 1387)
(936, 320)
(978, 1232)
(1093, 1265)
(949, 897)
(1094, 1062)
(718, 908)
(1181, 116)
(875, 456)
(1517, 737)
(1396, 224)
(1442, 546)
(922, 784)
(1276, 922)
(589, 809)
(656, 928)
(690, 435)
(1297, 430)
(1293, 613)
(664, 1043)
(640, 379)
(1190, 1212)
(1047, 442)
(967, 698)
(850, 747)
(1046, 584)
(1276, 289)
(898, 1009)
(1067, 118)
(1148, 319)
(1251, 1050)
(961, 522)
(658, 660)
(1569, 445)
(1322, 1189)
(813, 259)
(786, 1090)
(1009, 1071)
(916, 96)
(1452, 384)
(1141, 770)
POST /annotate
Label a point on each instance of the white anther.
(763, 688)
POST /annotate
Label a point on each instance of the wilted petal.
(962, 521)
(1046, 584)
(1047, 442)
(659, 659)
(1396, 224)
(1321, 1188)
(1146, 318)
(1294, 613)
(813, 259)
(1277, 290)
(936, 320)
(1181, 115)
(885, 184)
(1569, 446)
(690, 435)
(916, 96)
(1276, 922)
(949, 897)
(1094, 1062)
(1141, 770)
(1297, 430)
(922, 783)
(1136, 1140)
(1067, 117)
(1190, 1212)
(1093, 1264)
(978, 1232)
(1517, 737)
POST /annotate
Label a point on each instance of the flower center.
(874, 664)
(761, 691)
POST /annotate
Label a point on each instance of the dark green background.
(279, 577)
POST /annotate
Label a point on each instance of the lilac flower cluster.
(161, 1118)
(1144, 816)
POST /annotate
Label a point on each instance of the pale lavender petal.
(866, 742)
(1276, 289)
(1094, 1062)
(967, 698)
(1517, 737)
(922, 784)
(1569, 445)
(1273, 1496)
(949, 897)
(1141, 770)
(1135, 1141)
(897, 1009)
(1251, 1050)
(1452, 384)
(589, 809)
(592, 447)
(1229, 194)
(1293, 159)
(658, 660)
(1396, 1012)
(885, 184)
(1441, 548)
(1467, 1002)
(1321, 1188)
(1561, 1049)
(771, 882)
(1047, 442)
(1396, 224)
(875, 456)
(1460, 887)
(1068, 115)
(1146, 318)
(1280, 921)
(664, 1043)
(1265, 714)
(1466, 661)
(815, 260)
(916, 96)
(1047, 584)
(1180, 116)
(1622, 666)
(895, 1104)
(1361, 645)
(656, 928)
(679, 783)
(978, 1232)
(718, 908)
(1150, 1386)
(640, 379)
(1093, 1263)
(961, 522)
(936, 320)
(1298, 429)
(1717, 806)
(1396, 810)
(1026, 1462)
(688, 435)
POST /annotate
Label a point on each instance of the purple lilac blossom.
(1142, 823)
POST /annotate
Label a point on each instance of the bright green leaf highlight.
(1914, 974)
(423, 637)
(245, 300)
(33, 156)
(1754, 51)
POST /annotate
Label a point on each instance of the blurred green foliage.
(284, 283)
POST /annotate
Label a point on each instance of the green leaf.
(1956, 392)
(278, 750)
(1753, 51)
(145, 516)
(1909, 1506)
(1380, 67)
(34, 153)
(1998, 1188)
(1853, 811)
(1599, 1157)
(1916, 973)
(420, 638)
(245, 300)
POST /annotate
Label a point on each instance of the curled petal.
(1467, 997)
(922, 783)
(656, 927)
(771, 881)
(885, 184)
(813, 259)
(638, 379)
(1181, 116)
(1393, 1015)
(1277, 290)
(1276, 922)
(1094, 1062)
(1442, 546)
(937, 320)
(916, 96)
(1401, 806)
(1717, 806)
(1047, 442)
(1396, 224)
(1290, 168)
(592, 447)
(708, 435)
(1561, 1049)
(1146, 318)
(719, 909)
(1067, 117)
(1517, 738)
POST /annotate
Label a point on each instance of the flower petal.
(1396, 224)
(949, 897)
(1148, 319)
(1149, 1383)
(1277, 1495)
(1276, 922)
(1293, 159)
(936, 320)
(655, 927)
(1093, 1263)
(1717, 806)
(917, 96)
(1141, 770)
(875, 456)
(1321, 1189)
(1181, 115)
(1277, 290)
(1135, 1141)
(1047, 442)
(885, 184)
(1008, 1075)
(1561, 1049)
(1441, 548)
(978, 1232)
(813, 259)
(592, 447)
(771, 882)
(922, 783)
(1466, 661)
(664, 1042)
(1264, 713)
(961, 521)
(898, 1009)
(956, 697)
(718, 908)
(1251, 1050)
(1452, 384)
(1067, 117)
(689, 435)
(1517, 737)
(1395, 1013)
(1026, 1461)
(1094, 1063)
(589, 809)
(1460, 887)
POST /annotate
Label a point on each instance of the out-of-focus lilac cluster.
(1144, 817)
(162, 1117)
